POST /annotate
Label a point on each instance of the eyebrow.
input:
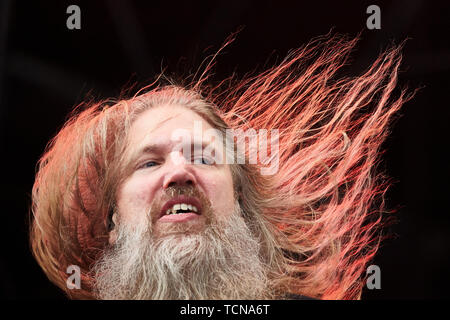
(151, 148)
(158, 148)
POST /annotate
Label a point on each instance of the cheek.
(134, 198)
(219, 189)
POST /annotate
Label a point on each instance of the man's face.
(208, 254)
(163, 179)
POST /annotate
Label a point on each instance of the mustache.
(175, 191)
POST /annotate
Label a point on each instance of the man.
(153, 198)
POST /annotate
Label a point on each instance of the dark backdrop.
(46, 69)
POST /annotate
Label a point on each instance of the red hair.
(328, 196)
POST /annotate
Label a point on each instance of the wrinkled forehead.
(166, 127)
(164, 119)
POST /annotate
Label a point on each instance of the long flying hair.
(319, 216)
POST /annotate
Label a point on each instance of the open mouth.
(180, 208)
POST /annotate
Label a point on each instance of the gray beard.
(222, 261)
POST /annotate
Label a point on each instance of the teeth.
(181, 206)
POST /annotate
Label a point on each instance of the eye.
(204, 160)
(149, 164)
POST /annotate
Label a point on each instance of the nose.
(179, 173)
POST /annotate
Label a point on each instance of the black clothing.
(293, 296)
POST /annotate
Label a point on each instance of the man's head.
(147, 202)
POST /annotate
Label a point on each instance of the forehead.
(160, 124)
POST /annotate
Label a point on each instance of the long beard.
(222, 261)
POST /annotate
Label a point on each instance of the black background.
(46, 69)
